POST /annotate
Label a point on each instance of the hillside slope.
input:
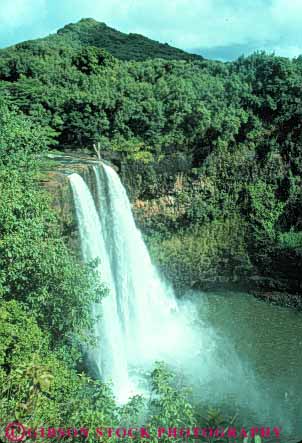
(210, 152)
(89, 32)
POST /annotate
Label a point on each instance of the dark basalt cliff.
(211, 257)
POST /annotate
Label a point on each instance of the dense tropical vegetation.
(211, 155)
(222, 140)
(45, 299)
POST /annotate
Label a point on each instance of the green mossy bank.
(200, 241)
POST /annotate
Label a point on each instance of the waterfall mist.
(140, 321)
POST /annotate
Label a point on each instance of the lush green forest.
(211, 154)
(45, 300)
(223, 140)
(89, 32)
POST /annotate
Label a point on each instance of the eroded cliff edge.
(54, 178)
(208, 256)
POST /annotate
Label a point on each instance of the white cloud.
(17, 13)
(286, 51)
(205, 23)
(272, 24)
(287, 12)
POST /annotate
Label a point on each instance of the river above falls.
(254, 366)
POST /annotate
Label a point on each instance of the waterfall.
(109, 356)
(140, 321)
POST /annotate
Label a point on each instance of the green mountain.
(211, 155)
(89, 32)
(222, 139)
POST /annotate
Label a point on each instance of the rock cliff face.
(210, 257)
(54, 179)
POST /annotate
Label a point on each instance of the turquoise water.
(255, 366)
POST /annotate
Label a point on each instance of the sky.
(221, 29)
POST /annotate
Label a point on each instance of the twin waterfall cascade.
(139, 321)
(208, 340)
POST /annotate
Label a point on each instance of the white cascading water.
(111, 361)
(140, 320)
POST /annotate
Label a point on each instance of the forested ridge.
(222, 139)
(211, 154)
